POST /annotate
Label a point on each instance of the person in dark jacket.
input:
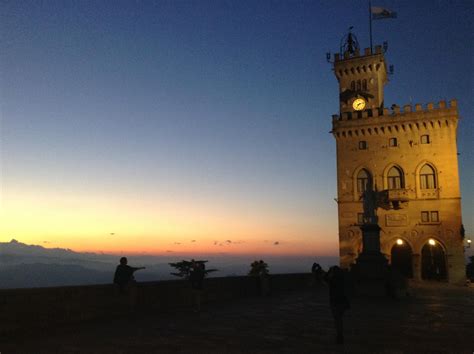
(196, 277)
(125, 280)
(337, 298)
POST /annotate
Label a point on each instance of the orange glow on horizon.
(125, 226)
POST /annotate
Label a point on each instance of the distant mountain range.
(23, 266)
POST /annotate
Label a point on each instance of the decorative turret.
(361, 77)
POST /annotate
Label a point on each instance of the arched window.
(353, 85)
(358, 85)
(364, 85)
(363, 180)
(395, 178)
(427, 177)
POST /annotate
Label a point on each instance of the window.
(429, 216)
(427, 177)
(353, 85)
(364, 85)
(362, 145)
(363, 180)
(360, 218)
(395, 178)
(425, 139)
(425, 216)
(392, 142)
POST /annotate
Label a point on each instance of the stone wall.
(33, 309)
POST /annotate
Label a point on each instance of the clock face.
(358, 104)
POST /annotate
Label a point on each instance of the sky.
(200, 126)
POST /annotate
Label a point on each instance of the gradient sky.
(154, 126)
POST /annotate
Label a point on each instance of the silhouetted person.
(196, 277)
(337, 297)
(317, 273)
(125, 280)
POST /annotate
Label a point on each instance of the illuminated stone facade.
(411, 155)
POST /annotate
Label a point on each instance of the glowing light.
(432, 242)
(399, 242)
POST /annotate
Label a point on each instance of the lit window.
(395, 178)
(392, 142)
(363, 145)
(425, 216)
(363, 180)
(425, 139)
(429, 216)
(427, 177)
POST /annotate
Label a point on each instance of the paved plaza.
(436, 318)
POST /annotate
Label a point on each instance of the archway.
(401, 258)
(433, 261)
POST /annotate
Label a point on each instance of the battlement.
(347, 55)
(355, 64)
(396, 114)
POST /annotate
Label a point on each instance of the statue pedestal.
(370, 270)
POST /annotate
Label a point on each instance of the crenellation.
(407, 108)
(430, 106)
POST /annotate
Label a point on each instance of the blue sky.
(199, 108)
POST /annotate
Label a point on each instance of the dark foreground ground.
(434, 319)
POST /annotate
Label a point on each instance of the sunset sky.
(200, 126)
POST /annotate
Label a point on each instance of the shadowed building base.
(370, 270)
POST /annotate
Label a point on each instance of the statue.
(370, 198)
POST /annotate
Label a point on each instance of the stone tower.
(408, 154)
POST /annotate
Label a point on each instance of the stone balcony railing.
(32, 309)
(398, 195)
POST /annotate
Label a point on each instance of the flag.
(379, 13)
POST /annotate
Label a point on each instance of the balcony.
(398, 195)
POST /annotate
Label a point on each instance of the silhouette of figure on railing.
(125, 281)
(337, 298)
(196, 277)
(318, 273)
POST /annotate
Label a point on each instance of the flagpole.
(370, 25)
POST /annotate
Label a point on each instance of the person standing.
(196, 277)
(125, 281)
(338, 299)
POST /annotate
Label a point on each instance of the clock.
(358, 104)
